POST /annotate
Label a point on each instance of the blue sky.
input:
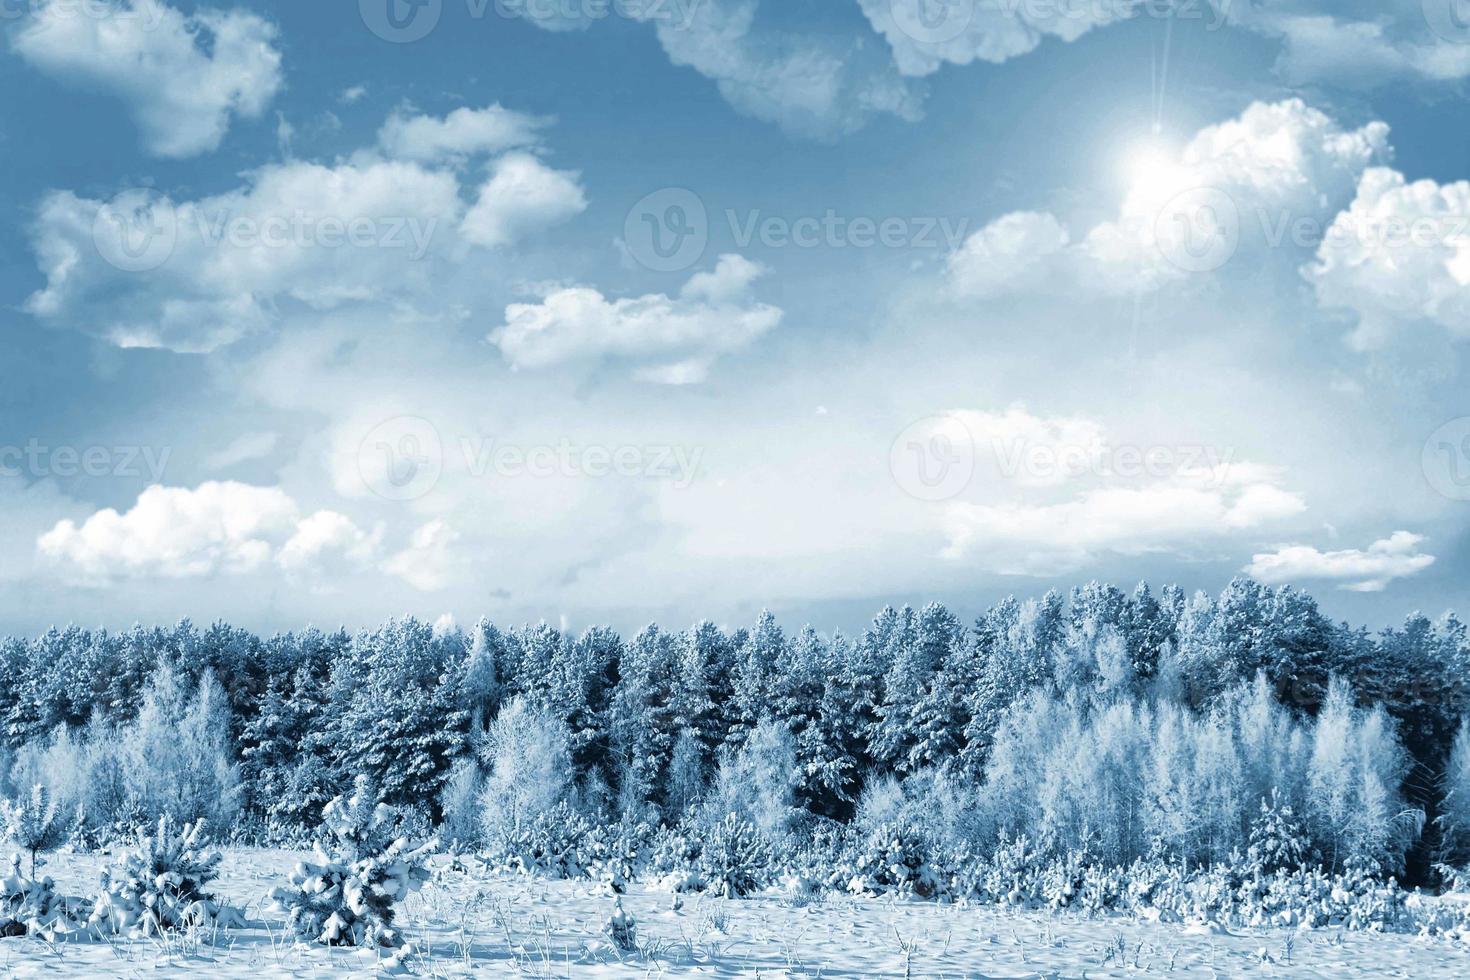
(1011, 295)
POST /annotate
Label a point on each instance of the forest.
(1104, 726)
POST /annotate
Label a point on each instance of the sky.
(608, 312)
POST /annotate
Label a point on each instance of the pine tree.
(364, 866)
(162, 884)
(32, 823)
(643, 725)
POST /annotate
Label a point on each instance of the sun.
(1152, 165)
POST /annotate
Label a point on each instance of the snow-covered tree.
(757, 782)
(363, 866)
(162, 884)
(529, 768)
(33, 823)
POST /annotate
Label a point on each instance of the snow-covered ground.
(477, 925)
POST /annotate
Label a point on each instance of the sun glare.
(1151, 165)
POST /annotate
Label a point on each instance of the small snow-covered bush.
(735, 859)
(674, 861)
(892, 860)
(552, 845)
(621, 928)
(363, 868)
(32, 908)
(162, 884)
(32, 823)
(617, 855)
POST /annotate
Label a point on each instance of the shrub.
(32, 824)
(162, 884)
(363, 868)
(735, 859)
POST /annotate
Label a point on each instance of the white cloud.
(1370, 570)
(676, 337)
(217, 528)
(926, 34)
(429, 563)
(815, 84)
(462, 134)
(522, 196)
(1352, 43)
(1230, 188)
(1011, 254)
(1398, 257)
(1049, 494)
(251, 446)
(181, 77)
(1360, 43)
(326, 534)
(143, 270)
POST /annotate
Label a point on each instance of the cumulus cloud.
(1360, 43)
(324, 535)
(815, 84)
(1398, 257)
(1014, 253)
(1230, 188)
(1354, 43)
(429, 563)
(144, 270)
(460, 135)
(1358, 570)
(523, 195)
(1049, 494)
(223, 528)
(181, 77)
(675, 339)
(926, 34)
